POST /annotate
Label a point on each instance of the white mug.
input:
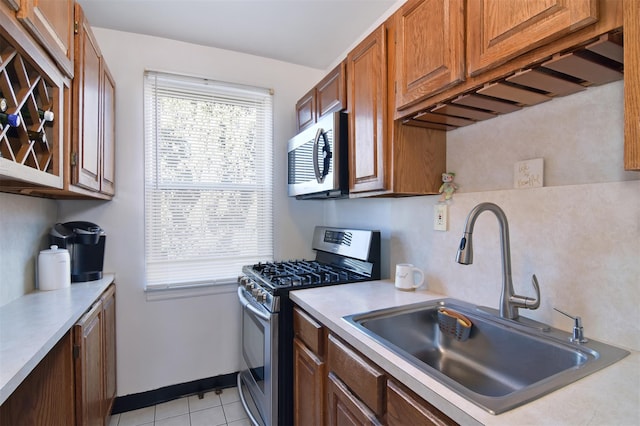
(406, 275)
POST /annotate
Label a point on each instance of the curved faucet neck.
(507, 310)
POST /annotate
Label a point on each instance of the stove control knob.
(242, 279)
(262, 296)
(249, 285)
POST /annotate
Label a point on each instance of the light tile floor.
(213, 410)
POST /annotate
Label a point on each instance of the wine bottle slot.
(33, 135)
(11, 120)
(44, 115)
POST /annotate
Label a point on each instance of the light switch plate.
(440, 217)
(528, 173)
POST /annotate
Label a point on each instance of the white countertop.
(31, 325)
(609, 396)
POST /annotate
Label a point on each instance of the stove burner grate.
(300, 273)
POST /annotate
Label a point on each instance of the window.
(208, 180)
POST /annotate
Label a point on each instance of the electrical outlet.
(440, 217)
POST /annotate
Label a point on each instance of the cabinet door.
(632, 85)
(344, 408)
(331, 92)
(108, 136)
(89, 367)
(308, 386)
(367, 103)
(306, 110)
(51, 23)
(45, 397)
(429, 48)
(108, 300)
(499, 30)
(86, 108)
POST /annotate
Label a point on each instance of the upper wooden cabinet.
(386, 158)
(499, 30)
(51, 23)
(108, 132)
(429, 48)
(632, 85)
(367, 107)
(86, 108)
(72, 156)
(326, 97)
(31, 153)
(93, 131)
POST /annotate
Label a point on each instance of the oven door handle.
(247, 304)
(254, 421)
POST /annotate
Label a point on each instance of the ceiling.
(312, 33)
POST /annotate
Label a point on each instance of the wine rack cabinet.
(31, 152)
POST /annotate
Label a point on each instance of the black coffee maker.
(85, 242)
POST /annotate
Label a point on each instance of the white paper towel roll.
(54, 269)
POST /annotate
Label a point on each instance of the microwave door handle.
(316, 160)
(327, 156)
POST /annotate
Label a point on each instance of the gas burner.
(303, 273)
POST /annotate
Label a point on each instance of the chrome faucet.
(509, 301)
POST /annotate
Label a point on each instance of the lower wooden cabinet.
(345, 408)
(364, 379)
(45, 397)
(75, 383)
(109, 338)
(94, 359)
(334, 384)
(308, 384)
(404, 408)
(309, 370)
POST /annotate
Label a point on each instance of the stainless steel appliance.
(265, 381)
(85, 242)
(317, 159)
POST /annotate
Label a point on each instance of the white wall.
(24, 227)
(581, 236)
(172, 341)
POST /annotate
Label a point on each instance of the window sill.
(180, 291)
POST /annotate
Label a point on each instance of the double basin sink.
(501, 365)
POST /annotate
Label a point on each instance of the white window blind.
(208, 180)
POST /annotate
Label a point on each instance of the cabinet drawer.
(309, 331)
(344, 408)
(406, 408)
(365, 381)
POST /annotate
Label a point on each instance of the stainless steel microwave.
(317, 159)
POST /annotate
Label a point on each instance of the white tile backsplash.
(582, 242)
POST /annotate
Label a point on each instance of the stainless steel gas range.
(265, 381)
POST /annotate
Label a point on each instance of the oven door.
(257, 380)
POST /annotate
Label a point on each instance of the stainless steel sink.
(503, 363)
